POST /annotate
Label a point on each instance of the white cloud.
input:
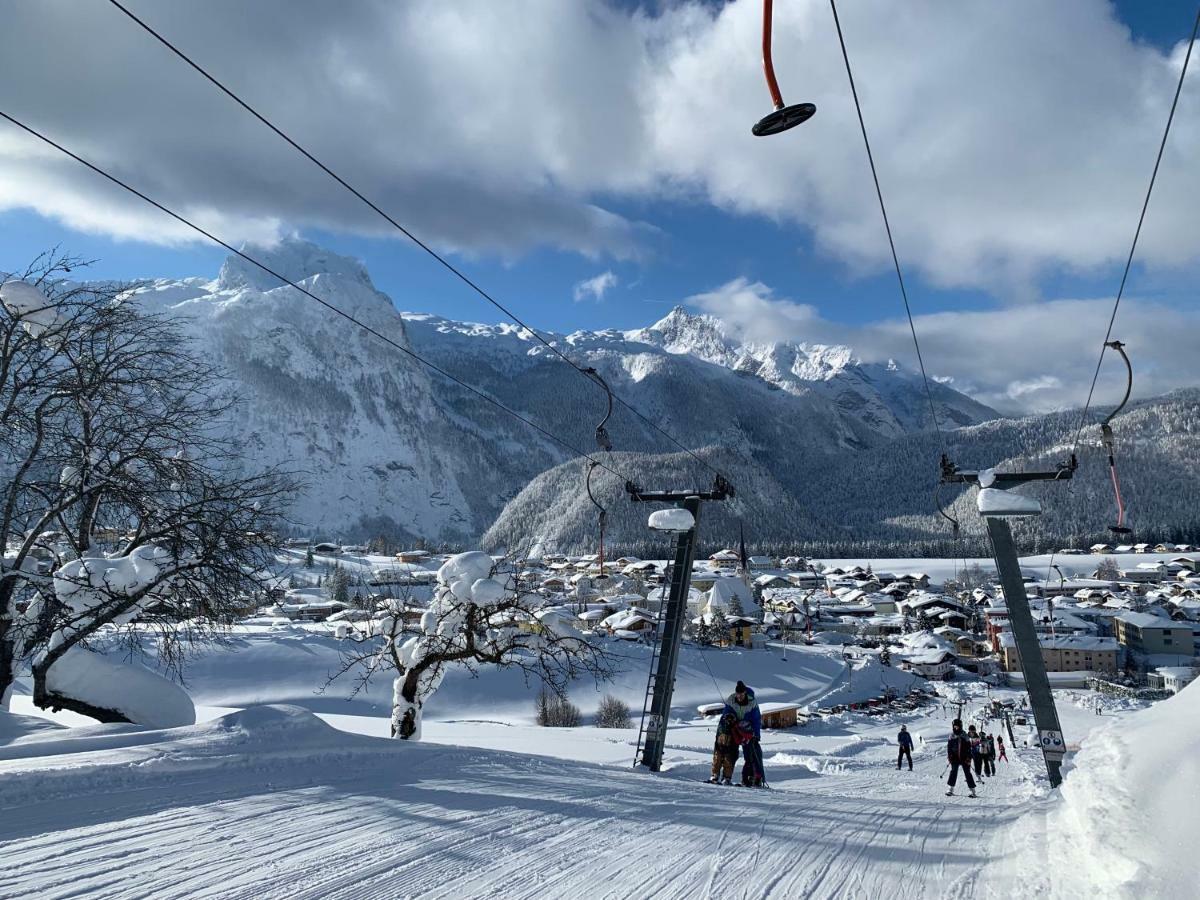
(1012, 138)
(595, 287)
(1028, 358)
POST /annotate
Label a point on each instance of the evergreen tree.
(308, 558)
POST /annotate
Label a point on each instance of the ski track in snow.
(367, 818)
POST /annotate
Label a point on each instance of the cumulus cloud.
(595, 287)
(1018, 359)
(1012, 138)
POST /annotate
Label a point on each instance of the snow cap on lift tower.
(673, 521)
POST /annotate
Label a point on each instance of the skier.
(958, 754)
(989, 758)
(725, 750)
(976, 745)
(749, 719)
(906, 742)
(1000, 747)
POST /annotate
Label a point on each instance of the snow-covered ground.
(278, 802)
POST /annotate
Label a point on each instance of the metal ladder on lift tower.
(651, 680)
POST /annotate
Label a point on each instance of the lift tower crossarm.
(1033, 666)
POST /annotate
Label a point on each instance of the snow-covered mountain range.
(390, 448)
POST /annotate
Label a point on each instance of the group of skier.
(739, 729)
(966, 750)
(975, 748)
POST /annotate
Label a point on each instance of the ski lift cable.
(345, 315)
(887, 226)
(450, 267)
(1107, 342)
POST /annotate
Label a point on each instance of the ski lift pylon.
(783, 117)
(1106, 436)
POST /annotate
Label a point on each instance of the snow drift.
(139, 694)
(1128, 824)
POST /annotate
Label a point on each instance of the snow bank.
(141, 695)
(1127, 824)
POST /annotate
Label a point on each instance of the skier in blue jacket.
(749, 720)
(906, 744)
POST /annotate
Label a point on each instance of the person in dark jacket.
(906, 744)
(725, 750)
(989, 755)
(748, 718)
(976, 743)
(958, 754)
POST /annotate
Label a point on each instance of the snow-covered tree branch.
(123, 503)
(478, 617)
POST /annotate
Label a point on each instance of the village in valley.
(1130, 627)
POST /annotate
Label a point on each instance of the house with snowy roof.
(725, 559)
(1172, 678)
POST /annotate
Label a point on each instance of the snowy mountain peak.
(682, 332)
(294, 259)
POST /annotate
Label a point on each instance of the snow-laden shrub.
(612, 713)
(557, 711)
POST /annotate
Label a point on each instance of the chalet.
(327, 548)
(414, 557)
(1100, 549)
(740, 630)
(759, 563)
(793, 562)
(725, 559)
(1123, 548)
(1141, 548)
(932, 664)
(1164, 548)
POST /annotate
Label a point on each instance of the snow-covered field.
(273, 802)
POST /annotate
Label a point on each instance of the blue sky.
(696, 221)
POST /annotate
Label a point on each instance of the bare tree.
(124, 502)
(477, 618)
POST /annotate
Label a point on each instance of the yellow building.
(1069, 653)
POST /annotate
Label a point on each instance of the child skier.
(1000, 747)
(958, 754)
(725, 750)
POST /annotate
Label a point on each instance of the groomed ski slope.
(272, 802)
